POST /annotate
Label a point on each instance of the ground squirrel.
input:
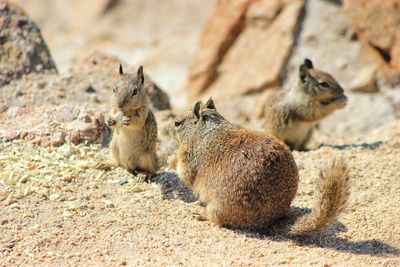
(248, 179)
(133, 146)
(290, 115)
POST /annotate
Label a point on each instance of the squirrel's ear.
(197, 109)
(121, 71)
(210, 104)
(303, 72)
(308, 63)
(140, 74)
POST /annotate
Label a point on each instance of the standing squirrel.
(133, 144)
(290, 115)
(248, 179)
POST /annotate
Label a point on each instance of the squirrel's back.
(248, 179)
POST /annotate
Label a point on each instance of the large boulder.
(378, 26)
(22, 47)
(329, 39)
(249, 50)
(88, 84)
(102, 70)
(219, 34)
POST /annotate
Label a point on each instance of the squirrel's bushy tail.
(334, 191)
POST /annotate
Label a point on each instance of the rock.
(67, 114)
(378, 26)
(96, 72)
(164, 117)
(218, 36)
(94, 8)
(83, 13)
(364, 80)
(259, 107)
(107, 5)
(12, 112)
(363, 113)
(84, 129)
(394, 98)
(10, 135)
(75, 137)
(43, 141)
(3, 107)
(22, 48)
(46, 128)
(58, 139)
(105, 68)
(323, 37)
(256, 58)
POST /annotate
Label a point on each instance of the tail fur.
(334, 191)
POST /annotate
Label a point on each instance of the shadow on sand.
(172, 187)
(325, 238)
(362, 145)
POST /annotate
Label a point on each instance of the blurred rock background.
(233, 50)
(161, 35)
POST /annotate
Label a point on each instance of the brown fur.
(333, 196)
(246, 179)
(290, 115)
(134, 148)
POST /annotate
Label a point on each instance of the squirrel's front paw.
(142, 177)
(111, 122)
(126, 120)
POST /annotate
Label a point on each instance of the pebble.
(23, 179)
(66, 213)
(67, 114)
(53, 197)
(13, 112)
(108, 203)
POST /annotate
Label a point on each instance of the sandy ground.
(77, 215)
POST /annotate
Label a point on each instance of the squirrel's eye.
(324, 84)
(135, 92)
(178, 123)
(114, 90)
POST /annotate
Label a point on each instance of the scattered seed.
(108, 203)
(72, 206)
(99, 175)
(135, 188)
(23, 179)
(53, 197)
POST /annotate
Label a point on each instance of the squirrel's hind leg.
(210, 213)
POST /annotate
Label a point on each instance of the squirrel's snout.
(121, 104)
